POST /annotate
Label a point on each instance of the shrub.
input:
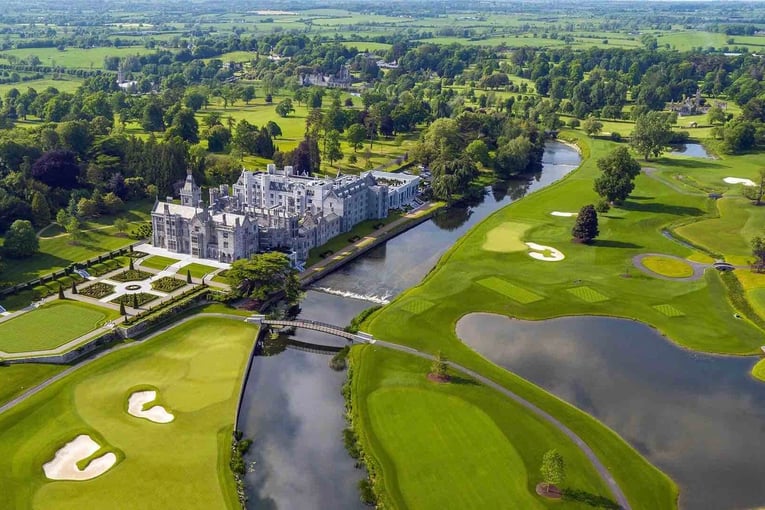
(167, 284)
(602, 206)
(134, 299)
(616, 137)
(131, 275)
(574, 123)
(97, 290)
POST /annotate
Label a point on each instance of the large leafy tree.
(185, 126)
(553, 469)
(20, 240)
(755, 193)
(652, 134)
(758, 250)
(57, 169)
(264, 275)
(586, 226)
(618, 178)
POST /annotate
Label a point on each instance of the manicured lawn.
(456, 445)
(16, 379)
(56, 251)
(339, 242)
(197, 378)
(158, 262)
(668, 267)
(697, 314)
(51, 325)
(197, 270)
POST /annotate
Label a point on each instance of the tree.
(619, 171)
(332, 146)
(513, 157)
(121, 224)
(74, 230)
(478, 152)
(248, 93)
(652, 134)
(188, 276)
(152, 117)
(592, 126)
(87, 208)
(112, 203)
(586, 226)
(553, 469)
(716, 115)
(185, 126)
(123, 312)
(753, 193)
(218, 137)
(264, 275)
(758, 250)
(74, 287)
(439, 367)
(57, 169)
(40, 209)
(61, 291)
(356, 135)
(284, 108)
(273, 129)
(20, 240)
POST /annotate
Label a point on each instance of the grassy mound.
(669, 267)
(198, 378)
(52, 325)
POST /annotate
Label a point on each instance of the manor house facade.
(275, 210)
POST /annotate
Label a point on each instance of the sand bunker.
(563, 214)
(157, 414)
(548, 253)
(738, 180)
(64, 464)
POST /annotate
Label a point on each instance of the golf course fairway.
(197, 370)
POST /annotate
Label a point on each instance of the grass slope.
(15, 379)
(758, 370)
(198, 380)
(52, 325)
(457, 445)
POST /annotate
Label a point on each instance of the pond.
(700, 419)
(692, 150)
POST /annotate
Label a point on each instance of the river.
(293, 408)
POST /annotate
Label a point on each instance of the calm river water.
(293, 408)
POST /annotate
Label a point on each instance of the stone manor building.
(275, 210)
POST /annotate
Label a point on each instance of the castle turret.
(191, 195)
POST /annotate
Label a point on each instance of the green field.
(15, 379)
(197, 378)
(158, 262)
(57, 252)
(78, 58)
(65, 84)
(197, 270)
(457, 445)
(51, 326)
(669, 267)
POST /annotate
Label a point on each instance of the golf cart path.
(698, 267)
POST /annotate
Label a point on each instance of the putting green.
(507, 289)
(669, 267)
(507, 237)
(758, 370)
(52, 325)
(198, 377)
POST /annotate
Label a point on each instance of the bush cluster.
(131, 275)
(167, 284)
(97, 290)
(134, 300)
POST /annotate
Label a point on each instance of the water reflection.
(693, 150)
(696, 417)
(294, 412)
(408, 257)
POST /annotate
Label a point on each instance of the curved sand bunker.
(157, 414)
(64, 464)
(548, 253)
(563, 214)
(738, 180)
